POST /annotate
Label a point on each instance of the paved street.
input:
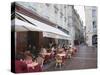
(85, 58)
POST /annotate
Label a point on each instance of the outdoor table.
(44, 53)
(37, 68)
(63, 54)
(48, 54)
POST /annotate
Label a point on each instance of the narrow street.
(85, 58)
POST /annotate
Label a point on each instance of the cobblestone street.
(85, 58)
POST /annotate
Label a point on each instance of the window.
(61, 14)
(93, 13)
(47, 17)
(94, 24)
(86, 37)
(47, 4)
(65, 19)
(70, 21)
(32, 6)
(56, 9)
(62, 29)
(64, 6)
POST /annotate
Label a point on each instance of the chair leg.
(60, 65)
(56, 65)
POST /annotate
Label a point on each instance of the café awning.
(45, 28)
(53, 35)
(19, 25)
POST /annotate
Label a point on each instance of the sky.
(80, 11)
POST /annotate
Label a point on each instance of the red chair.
(75, 50)
(38, 68)
(63, 59)
(20, 67)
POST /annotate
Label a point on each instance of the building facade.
(91, 25)
(59, 17)
(55, 15)
(77, 28)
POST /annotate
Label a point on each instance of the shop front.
(33, 35)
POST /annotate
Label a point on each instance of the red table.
(37, 68)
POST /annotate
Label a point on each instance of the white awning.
(44, 27)
(23, 26)
(53, 35)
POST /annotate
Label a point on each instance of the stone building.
(91, 25)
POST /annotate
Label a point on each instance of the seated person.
(43, 51)
(27, 52)
(40, 60)
(53, 49)
(49, 50)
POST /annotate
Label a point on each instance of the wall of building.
(77, 27)
(63, 16)
(21, 41)
(90, 16)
